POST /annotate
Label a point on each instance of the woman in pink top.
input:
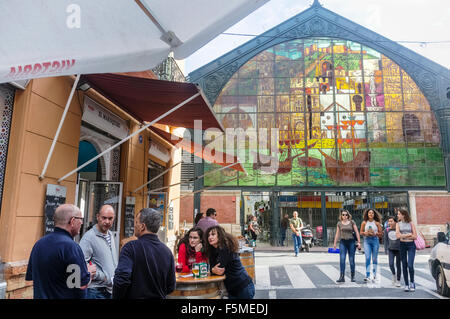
(190, 249)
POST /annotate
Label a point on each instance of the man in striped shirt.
(99, 248)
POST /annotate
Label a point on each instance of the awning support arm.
(61, 122)
(130, 136)
(192, 179)
(155, 178)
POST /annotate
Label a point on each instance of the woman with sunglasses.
(344, 231)
(190, 249)
(371, 230)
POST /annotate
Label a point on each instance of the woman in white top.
(371, 230)
(406, 232)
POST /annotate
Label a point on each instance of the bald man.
(56, 265)
(99, 248)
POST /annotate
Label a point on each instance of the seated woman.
(222, 251)
(190, 249)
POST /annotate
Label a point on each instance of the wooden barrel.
(248, 261)
(198, 288)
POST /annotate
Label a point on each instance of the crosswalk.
(292, 276)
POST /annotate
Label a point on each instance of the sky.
(397, 20)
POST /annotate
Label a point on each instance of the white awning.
(43, 38)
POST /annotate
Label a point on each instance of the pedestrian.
(190, 249)
(254, 230)
(392, 248)
(197, 218)
(371, 230)
(284, 227)
(344, 231)
(296, 225)
(146, 268)
(99, 248)
(222, 251)
(406, 232)
(209, 220)
(56, 264)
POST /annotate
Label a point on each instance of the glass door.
(104, 193)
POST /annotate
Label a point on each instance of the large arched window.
(346, 114)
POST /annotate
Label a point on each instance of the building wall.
(225, 202)
(37, 112)
(36, 116)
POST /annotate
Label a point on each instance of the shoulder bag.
(419, 242)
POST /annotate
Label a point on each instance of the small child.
(392, 247)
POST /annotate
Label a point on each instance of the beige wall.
(36, 115)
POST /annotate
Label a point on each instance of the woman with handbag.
(371, 230)
(406, 232)
(347, 231)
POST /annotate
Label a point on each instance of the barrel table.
(247, 257)
(198, 288)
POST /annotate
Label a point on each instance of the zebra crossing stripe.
(381, 281)
(298, 277)
(333, 273)
(263, 277)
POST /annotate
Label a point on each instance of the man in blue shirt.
(56, 265)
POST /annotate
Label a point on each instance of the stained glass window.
(346, 115)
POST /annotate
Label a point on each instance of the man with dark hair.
(56, 266)
(146, 268)
(209, 220)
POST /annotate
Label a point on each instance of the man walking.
(146, 266)
(209, 220)
(99, 248)
(284, 227)
(296, 225)
(56, 265)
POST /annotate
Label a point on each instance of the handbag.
(353, 232)
(419, 242)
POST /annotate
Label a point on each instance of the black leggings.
(395, 254)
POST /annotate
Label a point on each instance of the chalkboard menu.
(129, 216)
(55, 196)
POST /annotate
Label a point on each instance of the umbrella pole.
(61, 122)
(129, 136)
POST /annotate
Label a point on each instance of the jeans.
(344, 247)
(395, 254)
(371, 246)
(246, 293)
(283, 236)
(297, 243)
(98, 293)
(407, 254)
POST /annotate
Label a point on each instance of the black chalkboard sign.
(55, 196)
(129, 217)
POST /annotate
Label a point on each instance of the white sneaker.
(412, 287)
(406, 288)
(367, 279)
(397, 283)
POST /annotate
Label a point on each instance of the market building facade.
(362, 122)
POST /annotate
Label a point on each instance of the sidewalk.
(266, 247)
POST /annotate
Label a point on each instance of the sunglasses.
(344, 214)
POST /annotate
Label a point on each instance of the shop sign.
(103, 119)
(159, 152)
(129, 216)
(55, 196)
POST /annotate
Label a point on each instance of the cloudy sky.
(397, 20)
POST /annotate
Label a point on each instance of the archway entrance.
(93, 191)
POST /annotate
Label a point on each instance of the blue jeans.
(371, 246)
(246, 293)
(407, 254)
(344, 247)
(395, 254)
(297, 243)
(98, 293)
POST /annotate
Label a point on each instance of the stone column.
(443, 118)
